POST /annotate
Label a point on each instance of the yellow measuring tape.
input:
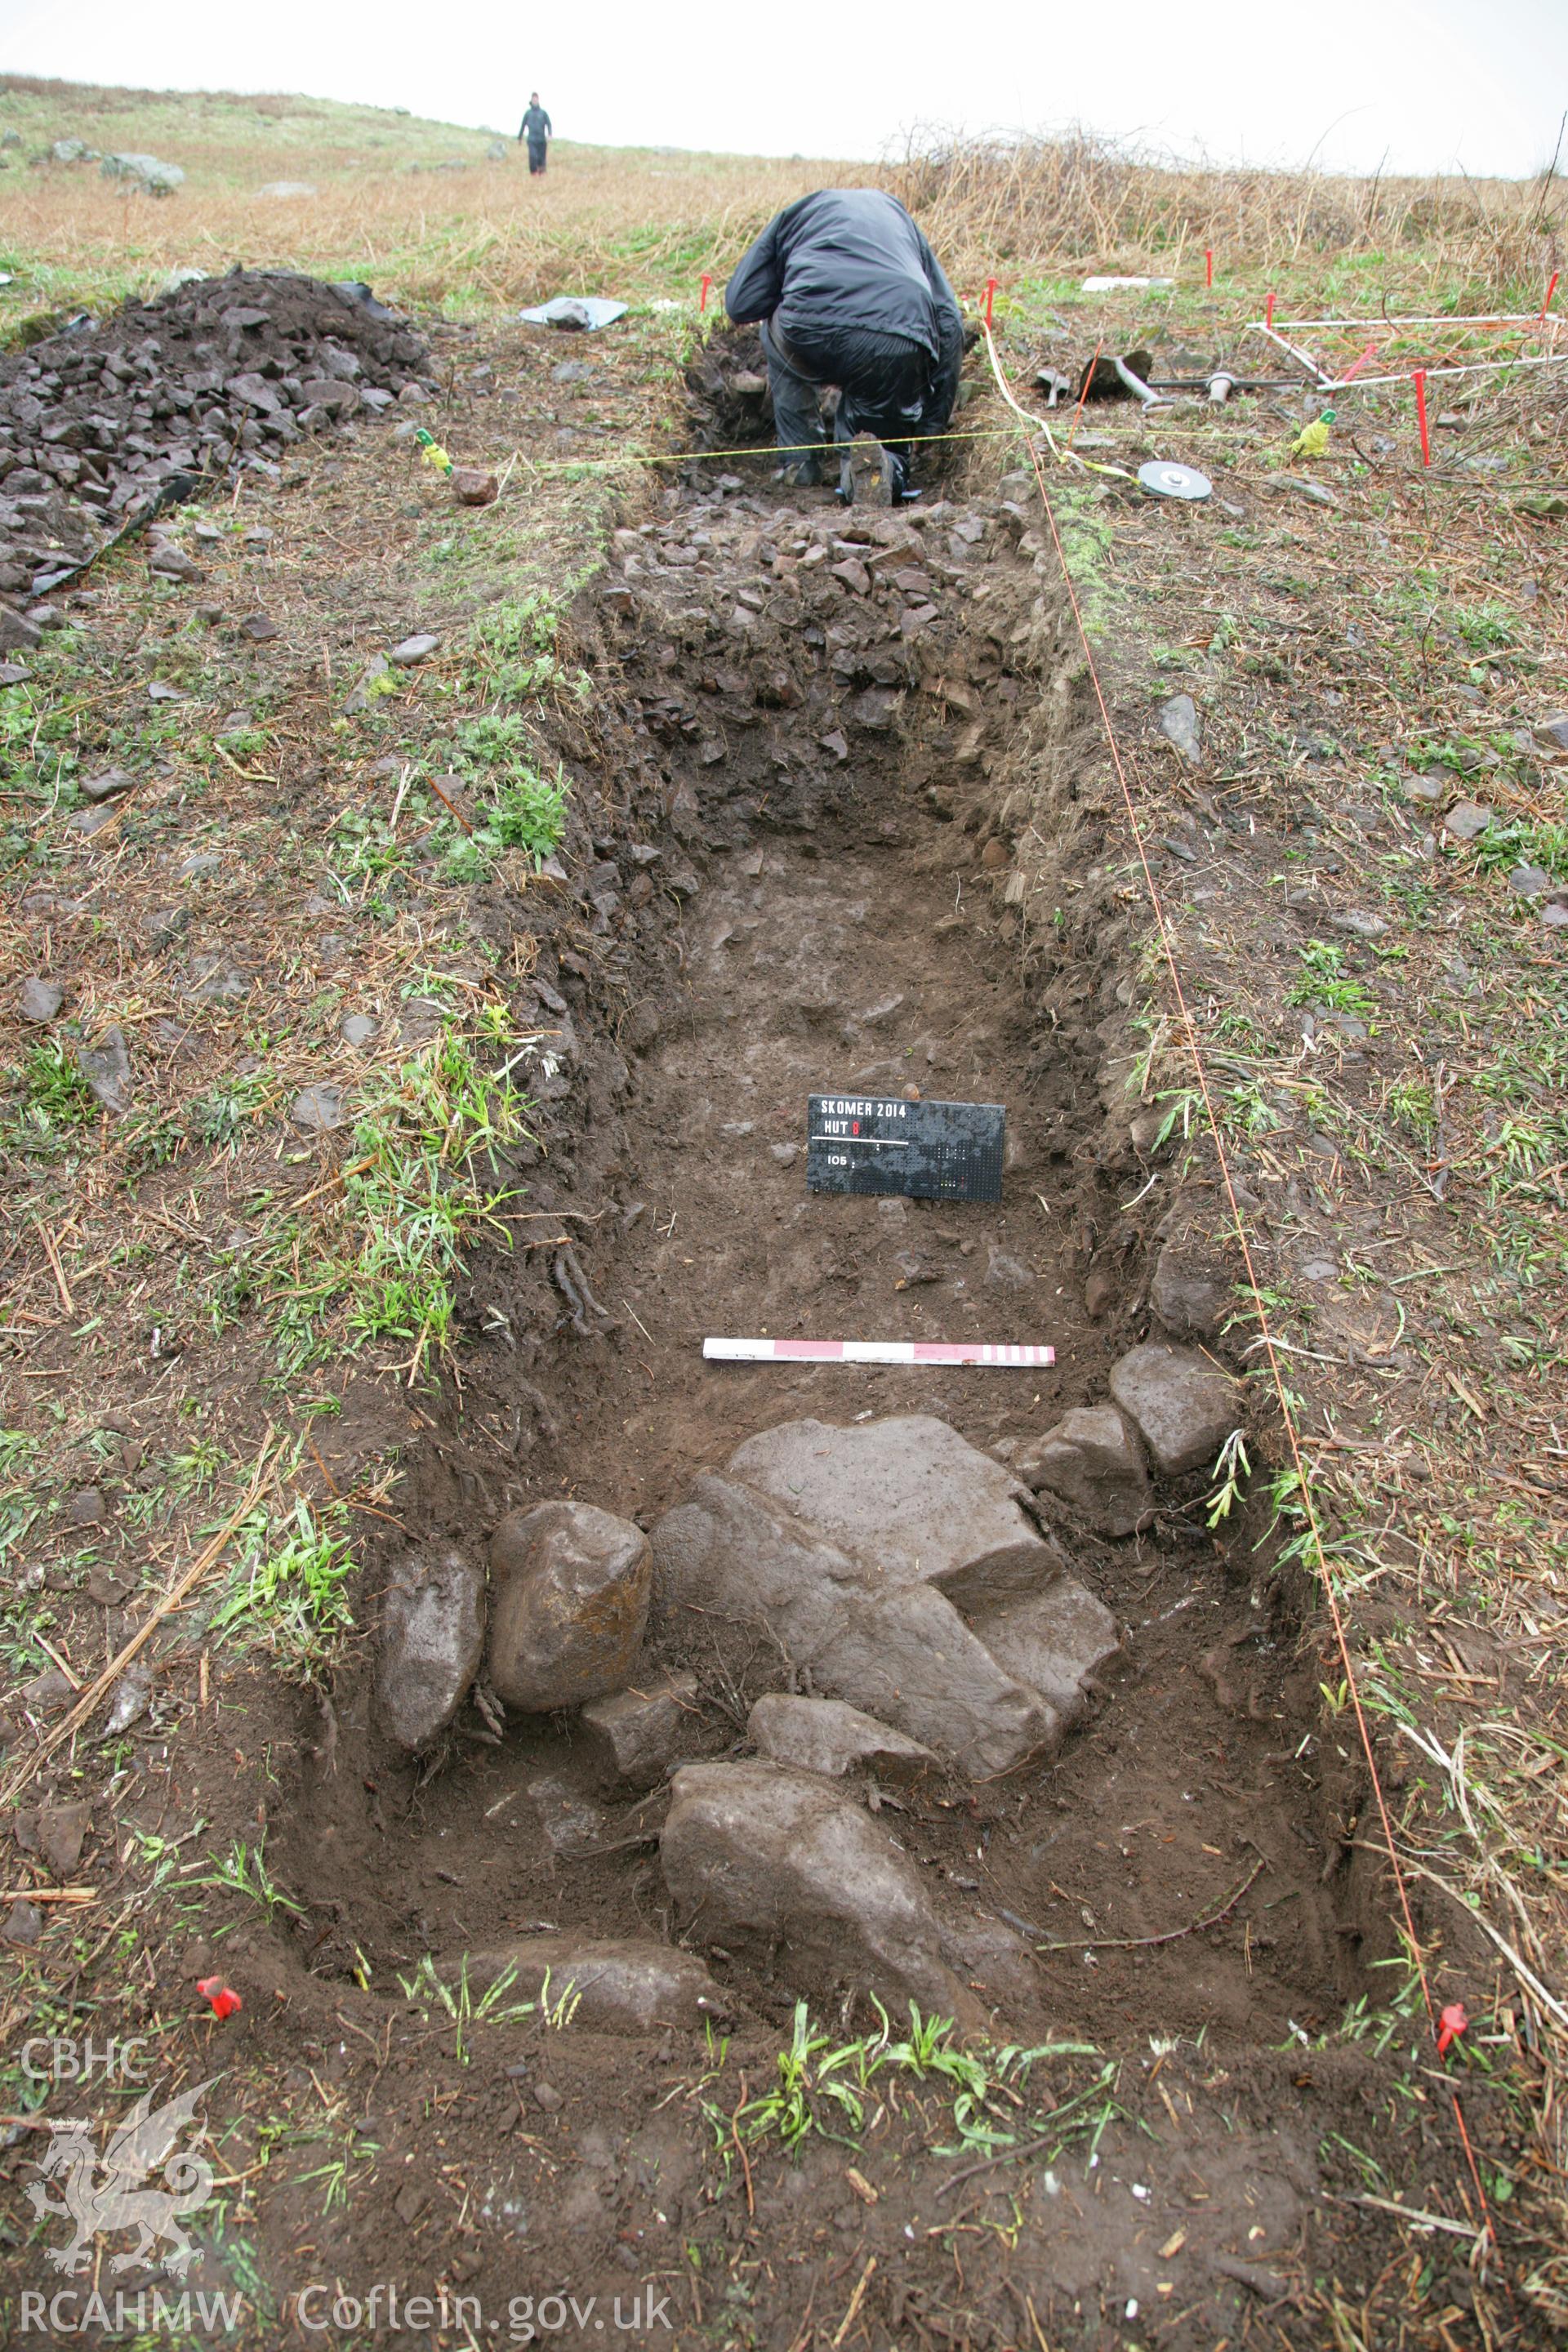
(630, 458)
(752, 449)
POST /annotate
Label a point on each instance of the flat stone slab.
(39, 1000)
(1190, 1303)
(1182, 1406)
(105, 786)
(1092, 1461)
(572, 1821)
(769, 1861)
(752, 1568)
(912, 1659)
(62, 1834)
(18, 634)
(1178, 723)
(106, 1067)
(618, 1985)
(431, 1637)
(1056, 1642)
(636, 1735)
(318, 1109)
(742, 1572)
(914, 1501)
(1467, 820)
(824, 1734)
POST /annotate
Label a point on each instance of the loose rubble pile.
(826, 621)
(222, 373)
(887, 1599)
(727, 390)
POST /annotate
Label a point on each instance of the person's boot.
(896, 474)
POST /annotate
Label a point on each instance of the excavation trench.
(835, 744)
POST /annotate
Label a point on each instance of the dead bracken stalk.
(178, 1592)
(1171, 1935)
(1074, 197)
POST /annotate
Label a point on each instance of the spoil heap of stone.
(222, 373)
(896, 1569)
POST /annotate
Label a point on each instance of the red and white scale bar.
(872, 1351)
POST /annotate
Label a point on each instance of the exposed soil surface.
(826, 914)
(821, 742)
(831, 955)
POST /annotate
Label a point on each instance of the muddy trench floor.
(841, 931)
(822, 963)
(858, 950)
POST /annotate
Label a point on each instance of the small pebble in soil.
(1179, 726)
(106, 1067)
(39, 1000)
(105, 786)
(318, 1109)
(23, 1924)
(1467, 820)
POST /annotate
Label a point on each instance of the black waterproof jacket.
(846, 257)
(536, 126)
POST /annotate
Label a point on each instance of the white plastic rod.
(876, 1352)
(1136, 385)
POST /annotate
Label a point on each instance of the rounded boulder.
(569, 1599)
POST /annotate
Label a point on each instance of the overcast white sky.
(1434, 84)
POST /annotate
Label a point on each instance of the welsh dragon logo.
(106, 2192)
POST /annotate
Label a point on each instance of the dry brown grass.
(1076, 198)
(632, 225)
(417, 207)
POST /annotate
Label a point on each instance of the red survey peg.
(1208, 264)
(1451, 2024)
(1268, 313)
(1550, 291)
(222, 1999)
(702, 297)
(1419, 381)
(991, 285)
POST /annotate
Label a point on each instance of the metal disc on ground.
(1168, 480)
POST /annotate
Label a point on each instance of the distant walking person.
(538, 129)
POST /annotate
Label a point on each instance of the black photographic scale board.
(926, 1151)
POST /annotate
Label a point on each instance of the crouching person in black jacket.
(849, 294)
